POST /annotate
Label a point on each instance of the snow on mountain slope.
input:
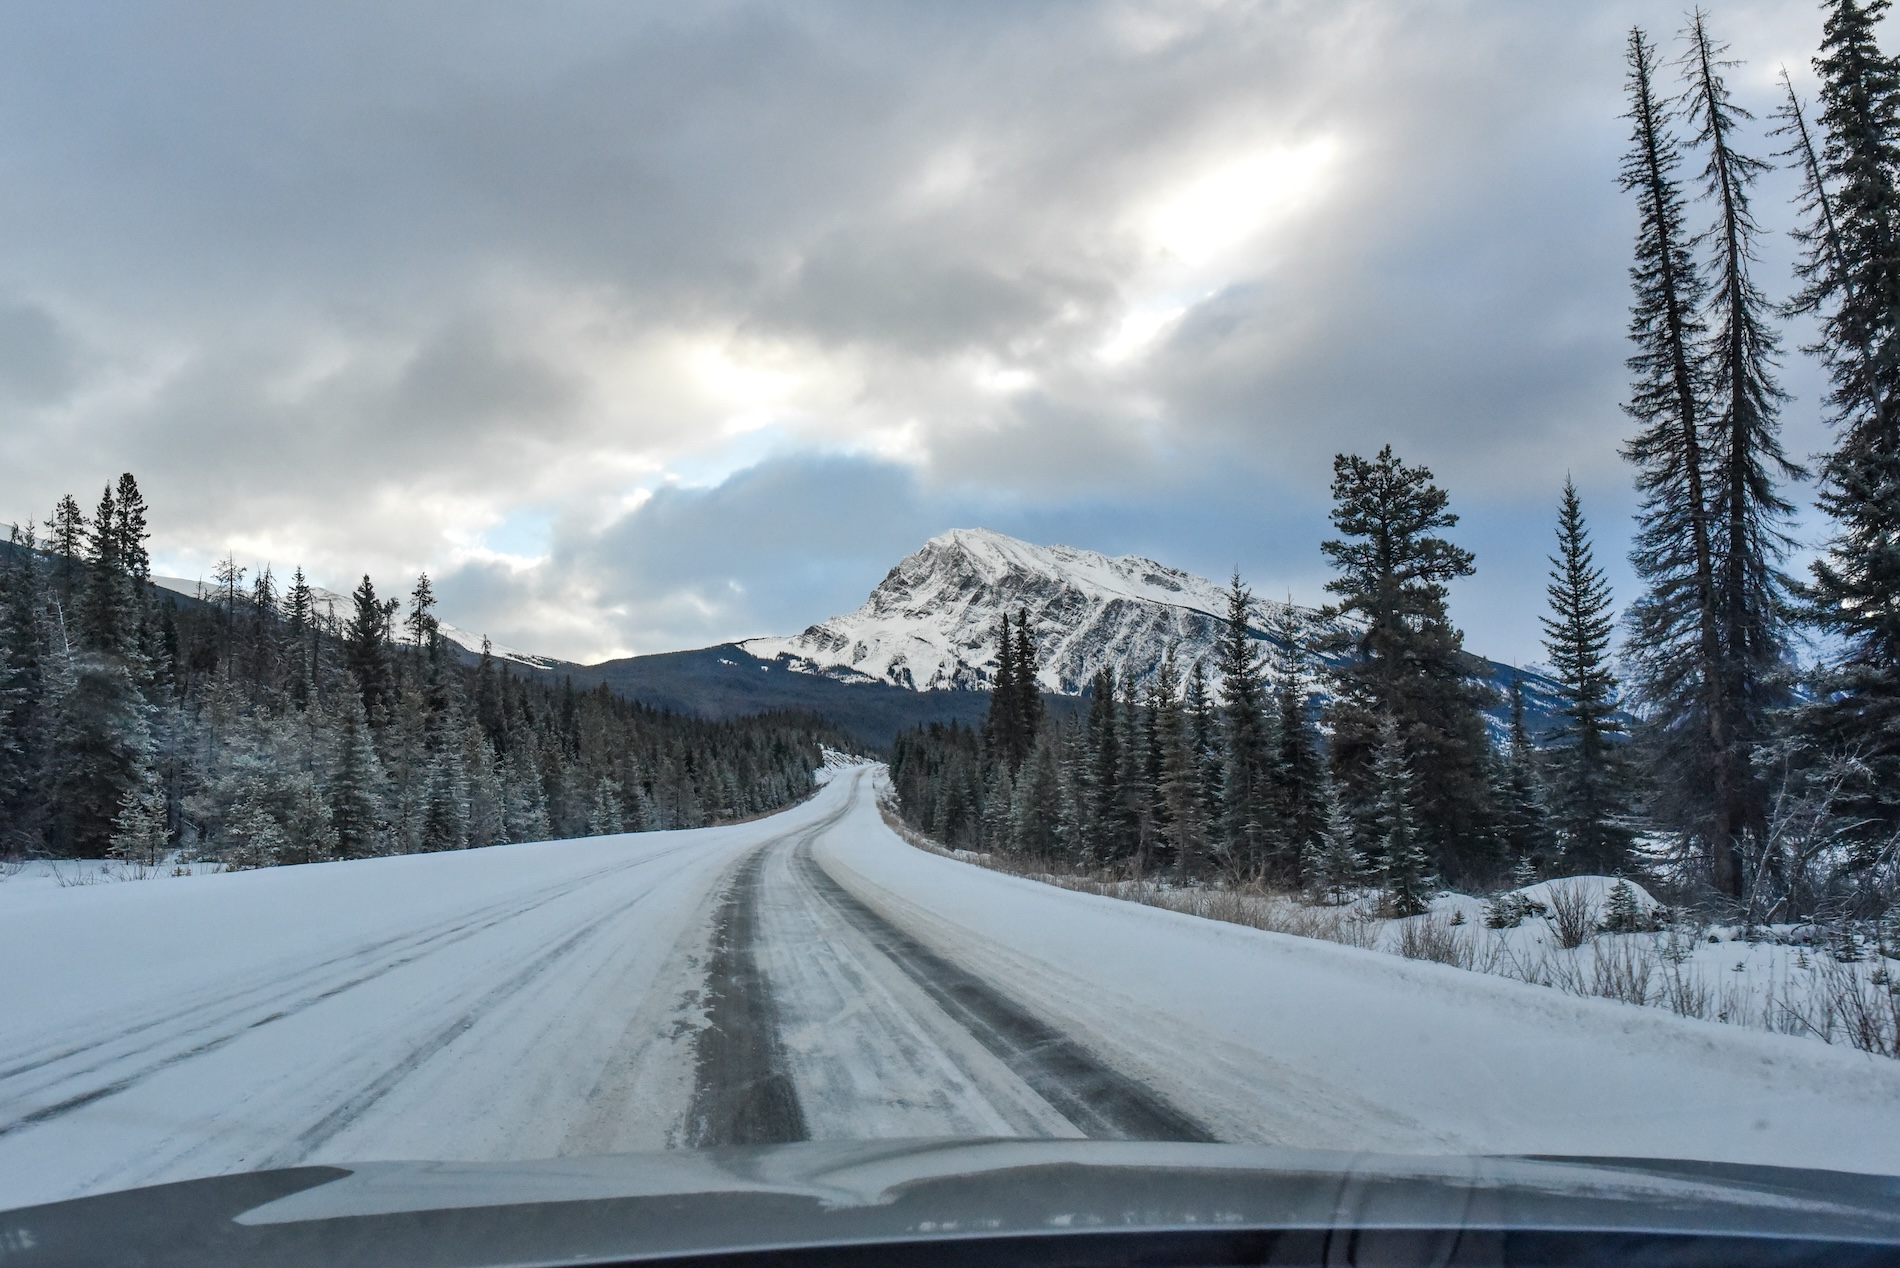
(330, 604)
(932, 621)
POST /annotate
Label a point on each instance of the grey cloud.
(287, 239)
(39, 360)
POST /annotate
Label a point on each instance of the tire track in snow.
(742, 1091)
(236, 1020)
(1101, 1102)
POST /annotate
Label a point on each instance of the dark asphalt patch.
(741, 1092)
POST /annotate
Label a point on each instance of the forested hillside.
(248, 728)
(1749, 781)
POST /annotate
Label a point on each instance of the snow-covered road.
(808, 975)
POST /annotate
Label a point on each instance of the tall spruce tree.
(1745, 445)
(1299, 777)
(365, 651)
(1028, 688)
(1246, 744)
(1401, 660)
(1852, 283)
(1675, 644)
(1588, 803)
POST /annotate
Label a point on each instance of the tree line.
(1698, 748)
(253, 728)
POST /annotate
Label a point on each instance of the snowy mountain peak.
(932, 621)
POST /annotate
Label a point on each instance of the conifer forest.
(1731, 734)
(248, 728)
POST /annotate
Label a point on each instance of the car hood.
(943, 1194)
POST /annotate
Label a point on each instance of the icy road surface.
(808, 975)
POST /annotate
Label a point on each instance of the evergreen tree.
(421, 621)
(1852, 276)
(101, 748)
(1404, 867)
(1111, 831)
(105, 616)
(356, 782)
(1203, 735)
(1403, 661)
(141, 831)
(130, 530)
(1037, 814)
(25, 723)
(1247, 749)
(1028, 688)
(1523, 828)
(1587, 793)
(365, 652)
(1005, 742)
(1675, 630)
(66, 535)
(1298, 796)
(1182, 841)
(1334, 864)
(1745, 451)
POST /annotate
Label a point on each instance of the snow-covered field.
(540, 1000)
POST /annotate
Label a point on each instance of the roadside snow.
(1275, 1038)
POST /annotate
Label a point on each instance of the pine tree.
(365, 653)
(105, 610)
(1745, 451)
(1203, 735)
(1334, 864)
(1852, 276)
(1005, 743)
(25, 720)
(101, 747)
(356, 782)
(1182, 841)
(131, 531)
(66, 535)
(1523, 828)
(1109, 832)
(1675, 631)
(1298, 796)
(141, 830)
(1404, 661)
(1404, 867)
(421, 622)
(1028, 686)
(1587, 796)
(1247, 749)
(1037, 814)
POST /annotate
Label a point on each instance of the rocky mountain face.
(932, 621)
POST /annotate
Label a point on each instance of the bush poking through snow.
(1428, 938)
(1573, 916)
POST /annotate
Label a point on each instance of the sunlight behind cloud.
(1222, 207)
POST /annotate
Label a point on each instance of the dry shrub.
(1573, 917)
(1428, 938)
(1683, 990)
(1622, 969)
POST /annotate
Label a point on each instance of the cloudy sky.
(649, 326)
